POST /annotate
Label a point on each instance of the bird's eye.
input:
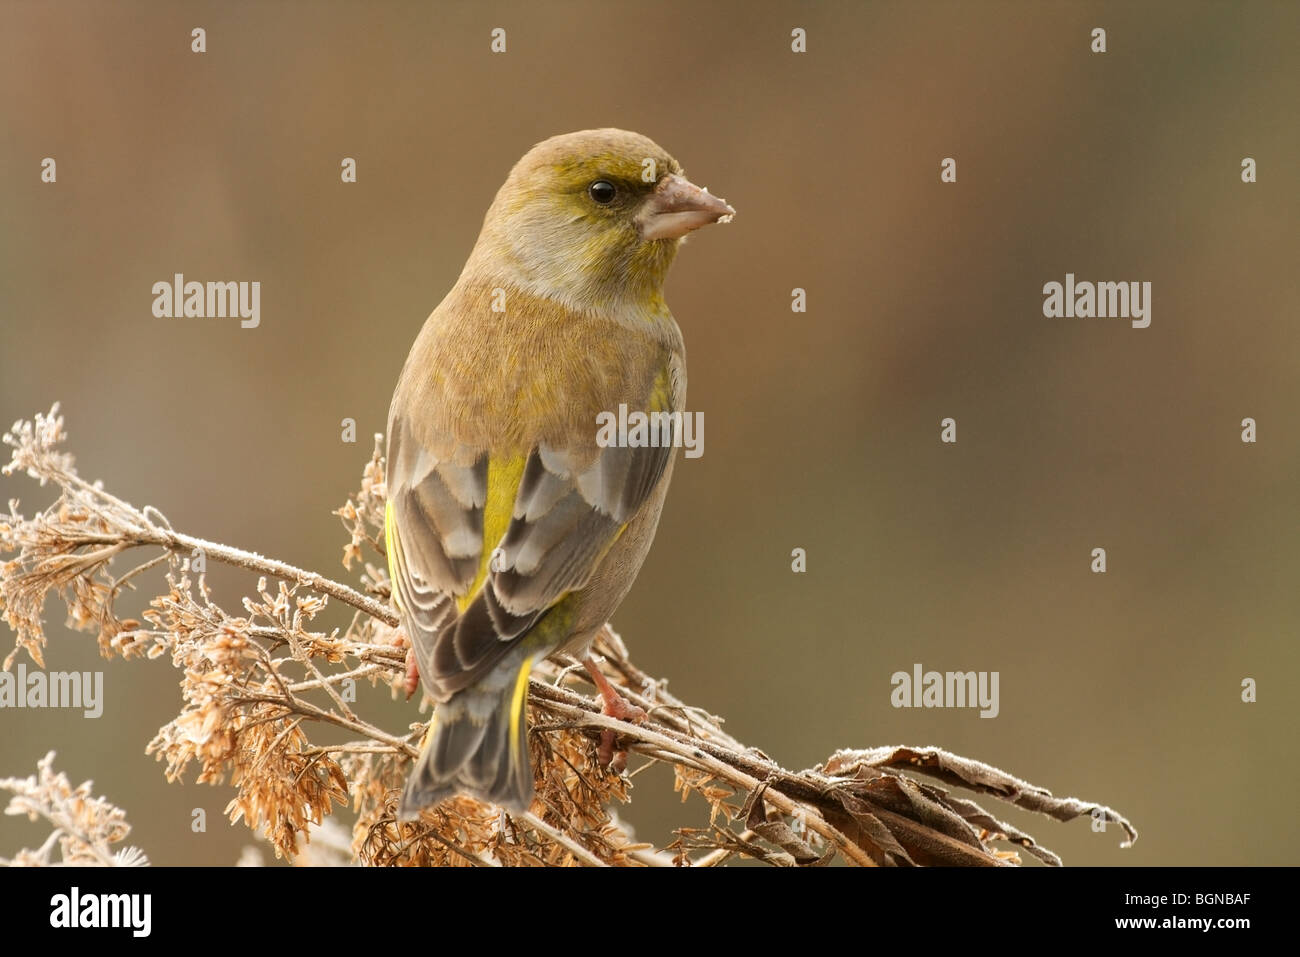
(602, 192)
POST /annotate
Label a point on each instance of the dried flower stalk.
(255, 684)
(82, 826)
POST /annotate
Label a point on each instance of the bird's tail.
(477, 745)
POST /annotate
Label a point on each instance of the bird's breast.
(503, 370)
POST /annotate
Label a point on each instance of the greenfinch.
(513, 530)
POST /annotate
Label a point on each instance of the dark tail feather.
(478, 745)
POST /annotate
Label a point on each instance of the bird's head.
(593, 219)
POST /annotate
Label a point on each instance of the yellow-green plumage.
(511, 533)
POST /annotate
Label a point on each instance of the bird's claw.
(614, 705)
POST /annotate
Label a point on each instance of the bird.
(512, 529)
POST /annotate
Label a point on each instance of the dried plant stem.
(187, 544)
(579, 852)
(365, 671)
(253, 685)
(665, 745)
(296, 705)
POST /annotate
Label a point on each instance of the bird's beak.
(677, 206)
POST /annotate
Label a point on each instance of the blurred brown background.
(822, 429)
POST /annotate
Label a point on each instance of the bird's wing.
(479, 553)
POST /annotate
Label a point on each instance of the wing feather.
(466, 602)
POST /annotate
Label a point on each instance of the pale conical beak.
(677, 206)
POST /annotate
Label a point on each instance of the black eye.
(602, 191)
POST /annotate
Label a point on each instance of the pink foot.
(412, 681)
(616, 706)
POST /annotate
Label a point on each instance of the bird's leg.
(412, 674)
(412, 679)
(616, 706)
